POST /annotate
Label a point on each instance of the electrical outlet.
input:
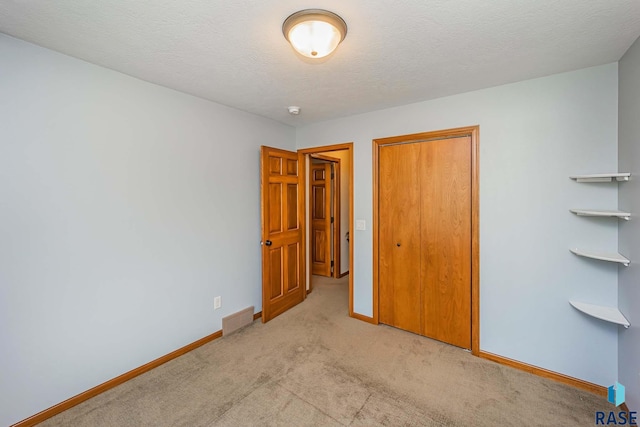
(217, 303)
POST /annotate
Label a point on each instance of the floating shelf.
(611, 257)
(602, 177)
(610, 214)
(608, 314)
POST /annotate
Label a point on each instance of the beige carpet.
(316, 366)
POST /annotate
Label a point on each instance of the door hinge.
(332, 264)
(331, 220)
(333, 175)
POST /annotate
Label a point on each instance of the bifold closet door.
(446, 240)
(399, 237)
(424, 238)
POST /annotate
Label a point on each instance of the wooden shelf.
(603, 256)
(602, 177)
(599, 213)
(608, 314)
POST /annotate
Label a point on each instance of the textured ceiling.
(396, 52)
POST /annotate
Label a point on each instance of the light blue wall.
(125, 208)
(533, 135)
(629, 232)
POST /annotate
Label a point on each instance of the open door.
(282, 212)
(321, 218)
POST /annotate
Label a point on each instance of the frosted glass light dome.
(314, 33)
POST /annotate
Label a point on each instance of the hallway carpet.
(315, 366)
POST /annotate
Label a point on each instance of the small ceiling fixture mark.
(294, 110)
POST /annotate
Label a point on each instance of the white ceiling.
(396, 52)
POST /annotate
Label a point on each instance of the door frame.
(473, 132)
(306, 154)
(335, 195)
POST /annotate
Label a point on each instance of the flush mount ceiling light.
(314, 33)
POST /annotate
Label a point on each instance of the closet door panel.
(399, 237)
(445, 235)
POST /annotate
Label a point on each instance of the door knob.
(268, 242)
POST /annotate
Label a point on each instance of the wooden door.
(282, 207)
(424, 238)
(320, 207)
(399, 237)
(445, 237)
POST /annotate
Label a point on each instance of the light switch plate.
(361, 224)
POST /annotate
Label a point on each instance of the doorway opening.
(329, 215)
(325, 216)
